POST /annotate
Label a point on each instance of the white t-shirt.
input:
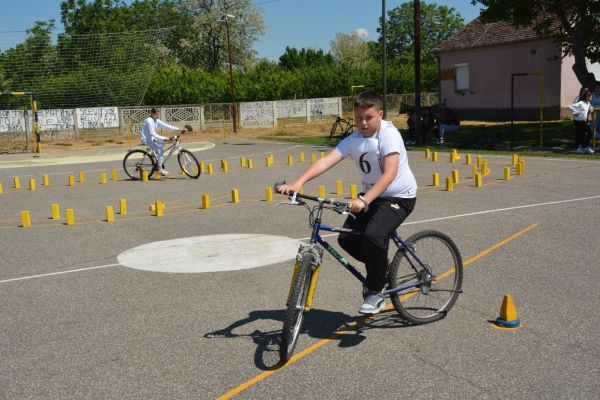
(580, 110)
(368, 153)
(149, 130)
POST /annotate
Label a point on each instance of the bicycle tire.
(189, 163)
(333, 130)
(296, 307)
(136, 161)
(349, 130)
(428, 302)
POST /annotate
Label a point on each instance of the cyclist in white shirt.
(389, 192)
(152, 139)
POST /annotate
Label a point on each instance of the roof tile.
(479, 34)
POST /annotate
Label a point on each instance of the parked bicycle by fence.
(136, 161)
(341, 127)
(424, 278)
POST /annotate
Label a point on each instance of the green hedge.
(269, 81)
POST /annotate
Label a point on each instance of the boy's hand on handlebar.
(356, 205)
(286, 189)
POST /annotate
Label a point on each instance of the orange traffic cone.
(508, 314)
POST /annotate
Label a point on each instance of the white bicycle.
(136, 161)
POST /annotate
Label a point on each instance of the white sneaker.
(373, 303)
(588, 150)
(441, 140)
(164, 172)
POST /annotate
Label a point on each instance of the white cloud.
(362, 33)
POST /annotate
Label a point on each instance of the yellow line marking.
(345, 331)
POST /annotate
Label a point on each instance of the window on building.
(462, 77)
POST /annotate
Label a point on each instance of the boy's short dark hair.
(366, 100)
(154, 110)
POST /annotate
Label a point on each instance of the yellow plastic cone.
(508, 314)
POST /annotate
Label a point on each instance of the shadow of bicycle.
(347, 330)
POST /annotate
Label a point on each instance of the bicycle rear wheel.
(431, 299)
(137, 161)
(296, 306)
(189, 164)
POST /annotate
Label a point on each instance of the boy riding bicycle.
(152, 139)
(389, 192)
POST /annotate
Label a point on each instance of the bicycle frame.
(171, 149)
(316, 238)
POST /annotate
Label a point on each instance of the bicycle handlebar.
(295, 195)
(339, 118)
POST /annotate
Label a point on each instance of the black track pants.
(383, 218)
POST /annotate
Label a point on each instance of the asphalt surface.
(75, 324)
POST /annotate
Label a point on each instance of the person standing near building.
(447, 122)
(582, 110)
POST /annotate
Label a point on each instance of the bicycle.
(344, 126)
(422, 284)
(136, 161)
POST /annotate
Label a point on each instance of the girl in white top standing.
(581, 111)
(389, 192)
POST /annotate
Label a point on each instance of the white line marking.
(335, 234)
(549, 203)
(58, 273)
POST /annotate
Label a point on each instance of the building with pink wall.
(476, 66)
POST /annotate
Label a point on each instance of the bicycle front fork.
(314, 276)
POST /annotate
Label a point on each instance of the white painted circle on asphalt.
(210, 253)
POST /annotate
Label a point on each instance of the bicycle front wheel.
(296, 306)
(189, 164)
(349, 129)
(437, 284)
(137, 161)
(333, 130)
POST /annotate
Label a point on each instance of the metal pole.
(384, 57)
(417, 44)
(231, 80)
(512, 109)
(541, 109)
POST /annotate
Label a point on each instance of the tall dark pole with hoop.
(384, 57)
(417, 44)
(231, 80)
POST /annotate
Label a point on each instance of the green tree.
(437, 24)
(292, 58)
(31, 59)
(206, 42)
(350, 50)
(197, 30)
(574, 25)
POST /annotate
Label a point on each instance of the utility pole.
(231, 80)
(417, 44)
(384, 57)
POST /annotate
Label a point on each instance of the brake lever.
(293, 201)
(343, 210)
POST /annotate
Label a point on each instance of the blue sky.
(294, 23)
